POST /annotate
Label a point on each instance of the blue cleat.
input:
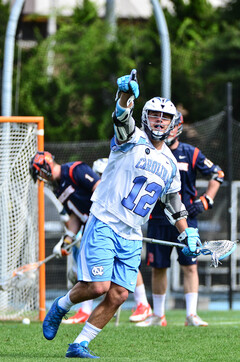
(80, 350)
(52, 320)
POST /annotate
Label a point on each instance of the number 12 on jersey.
(140, 208)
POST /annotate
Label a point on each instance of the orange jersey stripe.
(71, 170)
(195, 154)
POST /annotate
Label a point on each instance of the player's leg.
(83, 313)
(143, 308)
(159, 289)
(106, 309)
(90, 256)
(124, 272)
(85, 309)
(61, 306)
(100, 316)
(158, 257)
(191, 285)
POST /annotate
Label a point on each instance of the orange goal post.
(22, 238)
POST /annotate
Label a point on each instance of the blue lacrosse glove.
(191, 238)
(129, 84)
(199, 205)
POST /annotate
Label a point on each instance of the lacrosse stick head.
(25, 276)
(218, 249)
(22, 276)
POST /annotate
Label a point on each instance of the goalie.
(73, 184)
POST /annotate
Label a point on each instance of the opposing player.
(73, 184)
(86, 307)
(190, 161)
(141, 168)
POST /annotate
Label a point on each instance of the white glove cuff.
(182, 236)
(69, 233)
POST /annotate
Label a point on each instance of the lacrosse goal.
(21, 219)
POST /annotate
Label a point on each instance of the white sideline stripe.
(227, 322)
(209, 323)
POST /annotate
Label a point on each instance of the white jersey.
(137, 175)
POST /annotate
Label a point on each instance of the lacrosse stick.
(59, 206)
(118, 316)
(218, 249)
(27, 271)
(133, 76)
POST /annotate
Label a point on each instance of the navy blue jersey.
(190, 160)
(74, 189)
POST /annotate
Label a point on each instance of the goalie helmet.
(41, 166)
(179, 124)
(100, 165)
(162, 105)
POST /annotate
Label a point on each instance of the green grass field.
(218, 342)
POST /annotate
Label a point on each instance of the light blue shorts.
(106, 256)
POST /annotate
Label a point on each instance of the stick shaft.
(52, 197)
(118, 316)
(77, 239)
(6, 284)
(163, 242)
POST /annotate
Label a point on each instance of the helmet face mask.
(40, 166)
(178, 124)
(166, 111)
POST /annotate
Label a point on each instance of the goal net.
(20, 137)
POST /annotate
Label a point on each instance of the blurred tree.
(72, 99)
(219, 66)
(190, 25)
(205, 56)
(231, 12)
(78, 99)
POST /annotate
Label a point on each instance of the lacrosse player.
(73, 184)
(141, 169)
(190, 160)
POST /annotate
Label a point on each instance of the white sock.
(65, 302)
(140, 295)
(191, 303)
(159, 304)
(87, 306)
(88, 333)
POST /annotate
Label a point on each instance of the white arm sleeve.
(124, 124)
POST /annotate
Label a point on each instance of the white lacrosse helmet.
(100, 165)
(158, 104)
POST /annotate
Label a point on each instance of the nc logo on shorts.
(97, 270)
